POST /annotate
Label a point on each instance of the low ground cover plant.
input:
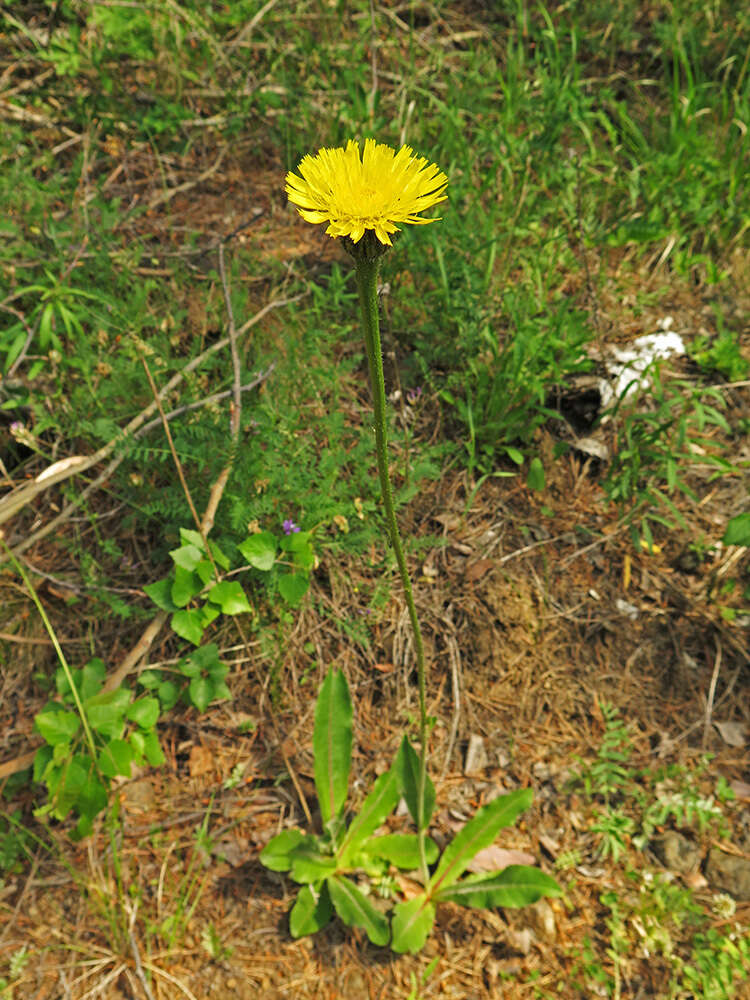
(362, 197)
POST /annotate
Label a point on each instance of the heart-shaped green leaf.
(144, 712)
(188, 625)
(293, 587)
(259, 550)
(185, 587)
(230, 597)
(116, 757)
(187, 556)
(57, 725)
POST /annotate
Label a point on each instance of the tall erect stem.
(367, 282)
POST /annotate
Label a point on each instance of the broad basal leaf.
(407, 763)
(517, 885)
(311, 912)
(478, 833)
(276, 855)
(379, 803)
(412, 923)
(310, 864)
(401, 849)
(356, 910)
(332, 743)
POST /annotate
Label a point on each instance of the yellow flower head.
(376, 191)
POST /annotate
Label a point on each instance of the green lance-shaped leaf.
(356, 910)
(311, 912)
(738, 530)
(379, 803)
(401, 850)
(407, 763)
(276, 855)
(516, 885)
(412, 923)
(310, 864)
(332, 743)
(478, 833)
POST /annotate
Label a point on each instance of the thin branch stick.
(712, 693)
(19, 763)
(206, 401)
(137, 652)
(176, 460)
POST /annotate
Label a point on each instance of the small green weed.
(15, 843)
(659, 439)
(654, 797)
(656, 922)
(16, 964)
(87, 745)
(720, 354)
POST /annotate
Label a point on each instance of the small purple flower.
(290, 528)
(412, 395)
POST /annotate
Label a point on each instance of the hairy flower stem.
(367, 282)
